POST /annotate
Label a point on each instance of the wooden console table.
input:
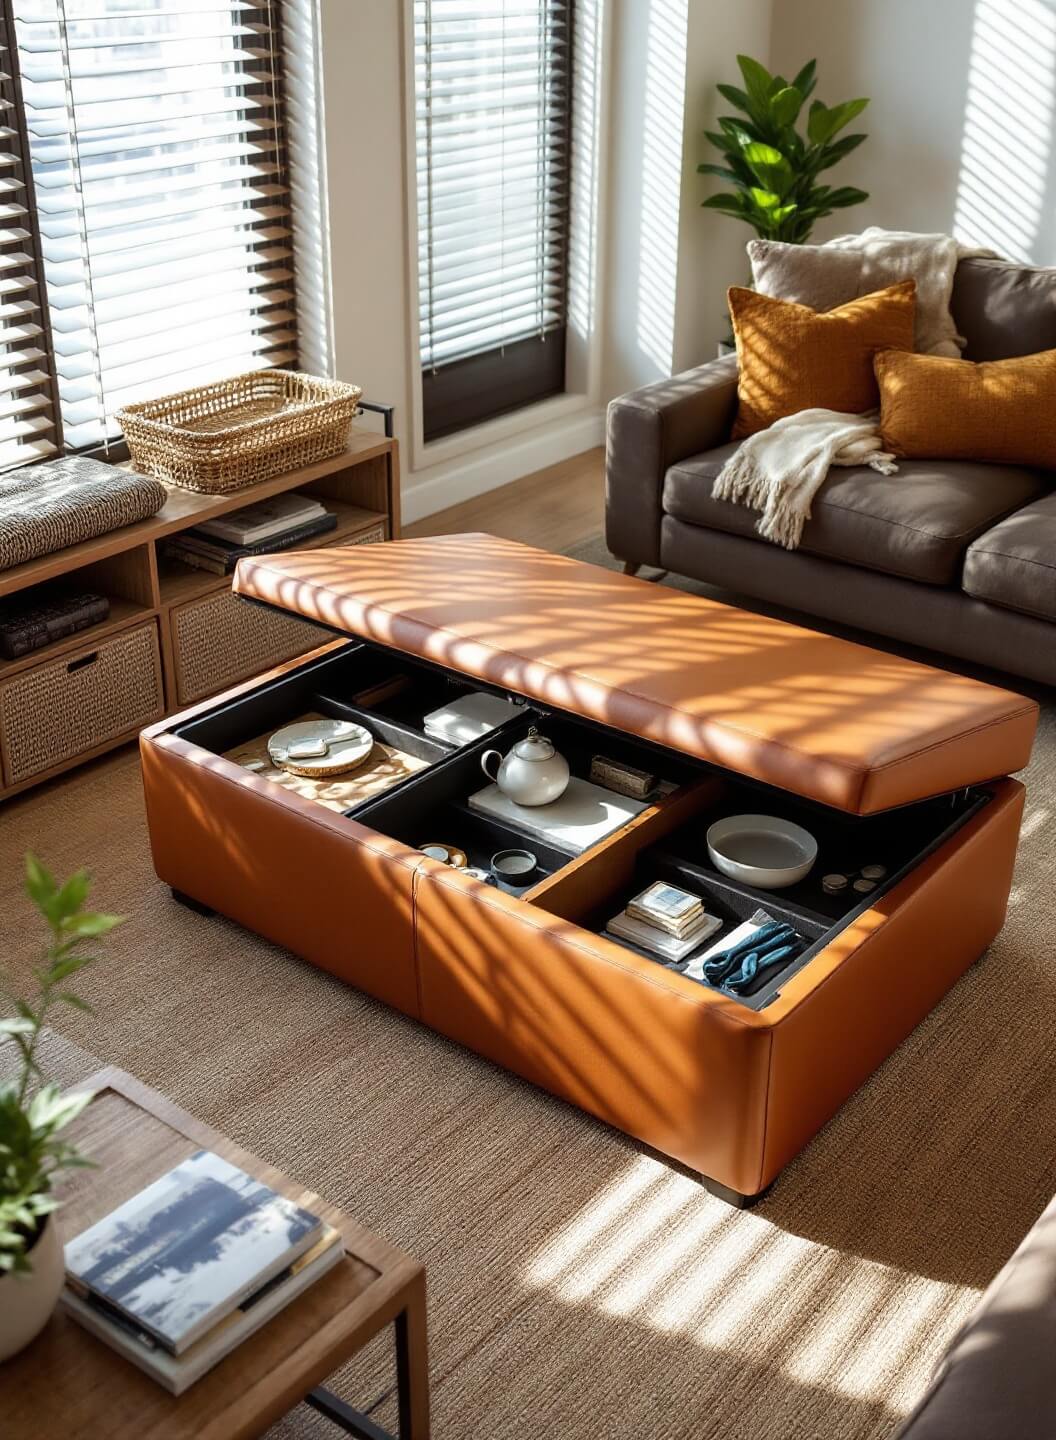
(68, 1385)
(174, 634)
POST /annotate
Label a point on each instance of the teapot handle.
(485, 761)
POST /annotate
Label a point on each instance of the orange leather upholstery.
(330, 890)
(731, 1092)
(814, 715)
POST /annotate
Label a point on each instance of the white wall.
(670, 261)
(961, 114)
(961, 123)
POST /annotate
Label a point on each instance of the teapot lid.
(534, 747)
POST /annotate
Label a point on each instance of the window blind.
(28, 428)
(158, 156)
(492, 113)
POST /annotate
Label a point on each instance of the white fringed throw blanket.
(779, 470)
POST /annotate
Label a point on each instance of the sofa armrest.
(996, 1378)
(647, 431)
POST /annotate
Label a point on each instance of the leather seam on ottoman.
(264, 793)
(937, 744)
(708, 999)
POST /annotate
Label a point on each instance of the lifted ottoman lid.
(824, 718)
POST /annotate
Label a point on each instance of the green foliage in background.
(773, 168)
(31, 1152)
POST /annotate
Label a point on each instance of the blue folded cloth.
(738, 968)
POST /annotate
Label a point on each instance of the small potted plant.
(33, 1114)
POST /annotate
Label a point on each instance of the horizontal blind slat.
(492, 159)
(156, 136)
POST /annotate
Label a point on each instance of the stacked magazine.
(664, 920)
(275, 524)
(182, 1273)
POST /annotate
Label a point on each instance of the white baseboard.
(460, 479)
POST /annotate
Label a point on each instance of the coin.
(834, 884)
(864, 886)
(873, 872)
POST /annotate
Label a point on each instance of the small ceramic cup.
(514, 870)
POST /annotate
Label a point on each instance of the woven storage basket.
(60, 710)
(220, 640)
(220, 437)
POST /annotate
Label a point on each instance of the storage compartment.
(55, 712)
(898, 841)
(389, 697)
(436, 808)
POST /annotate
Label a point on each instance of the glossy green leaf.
(736, 97)
(757, 80)
(806, 79)
(785, 105)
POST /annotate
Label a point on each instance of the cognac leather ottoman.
(884, 760)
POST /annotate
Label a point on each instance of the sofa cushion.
(1014, 564)
(996, 410)
(791, 358)
(917, 523)
(1003, 309)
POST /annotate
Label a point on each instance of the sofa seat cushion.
(916, 524)
(1014, 563)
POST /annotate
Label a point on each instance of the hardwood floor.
(553, 508)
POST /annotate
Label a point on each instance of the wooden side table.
(67, 1385)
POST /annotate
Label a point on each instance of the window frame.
(275, 78)
(446, 416)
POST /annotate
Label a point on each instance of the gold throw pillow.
(998, 410)
(792, 358)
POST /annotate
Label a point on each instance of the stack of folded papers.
(665, 920)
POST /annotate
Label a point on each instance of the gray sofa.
(958, 557)
(995, 1381)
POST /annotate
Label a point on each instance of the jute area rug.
(579, 1286)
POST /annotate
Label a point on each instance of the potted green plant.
(774, 169)
(32, 1114)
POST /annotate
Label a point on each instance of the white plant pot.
(28, 1298)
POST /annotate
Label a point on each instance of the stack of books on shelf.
(664, 920)
(275, 524)
(46, 613)
(178, 1276)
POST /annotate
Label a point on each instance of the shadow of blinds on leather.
(492, 117)
(158, 154)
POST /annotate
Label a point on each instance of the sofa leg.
(736, 1198)
(631, 567)
(189, 901)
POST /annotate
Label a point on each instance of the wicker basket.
(220, 437)
(220, 640)
(70, 706)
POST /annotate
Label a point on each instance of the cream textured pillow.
(824, 276)
(998, 410)
(790, 358)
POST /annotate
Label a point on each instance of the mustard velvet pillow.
(792, 358)
(998, 410)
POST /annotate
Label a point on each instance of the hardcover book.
(187, 1250)
(264, 519)
(44, 614)
(220, 556)
(177, 1372)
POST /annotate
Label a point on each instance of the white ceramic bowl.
(761, 850)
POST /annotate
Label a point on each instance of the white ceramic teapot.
(533, 773)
